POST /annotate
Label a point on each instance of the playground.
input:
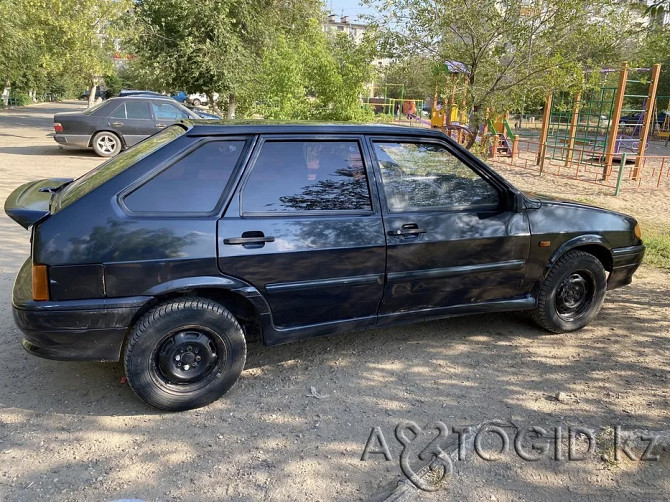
(614, 134)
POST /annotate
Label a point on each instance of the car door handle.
(160, 125)
(251, 237)
(407, 231)
(117, 124)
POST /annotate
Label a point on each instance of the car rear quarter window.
(107, 170)
(119, 112)
(193, 184)
(296, 176)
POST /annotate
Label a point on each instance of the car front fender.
(586, 240)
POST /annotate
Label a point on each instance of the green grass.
(658, 248)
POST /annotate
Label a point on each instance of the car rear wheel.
(572, 293)
(106, 144)
(184, 354)
(197, 102)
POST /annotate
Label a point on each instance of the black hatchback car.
(119, 123)
(177, 252)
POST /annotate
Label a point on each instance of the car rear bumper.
(80, 140)
(73, 330)
(625, 263)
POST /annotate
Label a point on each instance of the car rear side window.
(294, 176)
(138, 110)
(193, 184)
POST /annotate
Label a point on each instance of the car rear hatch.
(30, 203)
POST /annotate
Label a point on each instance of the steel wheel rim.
(188, 356)
(574, 295)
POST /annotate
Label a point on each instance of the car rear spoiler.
(29, 204)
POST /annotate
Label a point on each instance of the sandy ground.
(74, 431)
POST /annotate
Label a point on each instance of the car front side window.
(419, 176)
(165, 111)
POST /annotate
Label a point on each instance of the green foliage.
(45, 43)
(658, 249)
(114, 84)
(654, 48)
(20, 99)
(414, 72)
(269, 58)
(215, 46)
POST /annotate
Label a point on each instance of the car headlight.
(638, 231)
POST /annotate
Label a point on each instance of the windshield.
(107, 170)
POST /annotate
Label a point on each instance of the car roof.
(139, 91)
(227, 127)
(150, 97)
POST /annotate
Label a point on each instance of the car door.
(132, 120)
(452, 240)
(166, 114)
(305, 230)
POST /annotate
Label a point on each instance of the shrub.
(20, 99)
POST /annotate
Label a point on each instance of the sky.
(350, 8)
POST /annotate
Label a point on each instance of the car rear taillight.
(58, 127)
(40, 283)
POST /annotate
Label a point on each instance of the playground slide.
(413, 116)
(503, 145)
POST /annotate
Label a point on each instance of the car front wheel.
(572, 293)
(184, 354)
(197, 102)
(106, 144)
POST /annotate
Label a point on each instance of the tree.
(653, 48)
(13, 45)
(514, 50)
(414, 73)
(45, 40)
(312, 75)
(217, 47)
(265, 56)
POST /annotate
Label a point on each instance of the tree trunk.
(231, 106)
(473, 124)
(212, 103)
(5, 93)
(91, 96)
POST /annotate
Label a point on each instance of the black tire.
(184, 354)
(196, 102)
(572, 293)
(106, 144)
